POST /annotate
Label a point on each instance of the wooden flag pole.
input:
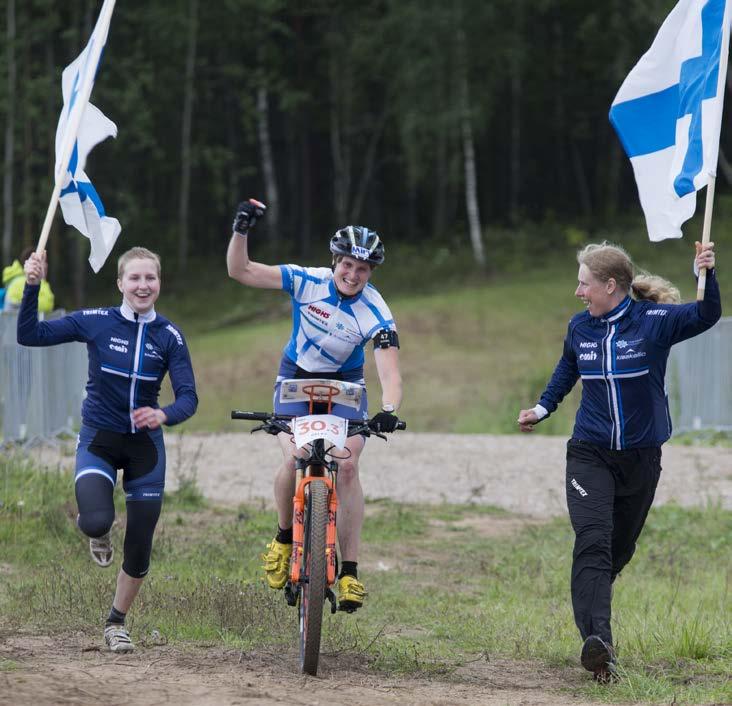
(49, 218)
(706, 232)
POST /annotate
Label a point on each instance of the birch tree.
(9, 154)
(466, 132)
(188, 100)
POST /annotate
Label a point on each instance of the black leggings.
(609, 494)
(94, 496)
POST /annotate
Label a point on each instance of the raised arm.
(31, 331)
(240, 267)
(682, 321)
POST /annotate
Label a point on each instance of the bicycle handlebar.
(258, 416)
(279, 421)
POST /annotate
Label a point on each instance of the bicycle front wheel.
(314, 564)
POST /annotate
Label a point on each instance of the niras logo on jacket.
(330, 331)
(129, 355)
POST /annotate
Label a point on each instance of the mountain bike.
(313, 565)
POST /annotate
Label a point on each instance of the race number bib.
(320, 426)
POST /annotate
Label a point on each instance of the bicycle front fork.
(298, 529)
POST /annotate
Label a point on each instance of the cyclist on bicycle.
(335, 312)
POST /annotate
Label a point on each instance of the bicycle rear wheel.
(314, 564)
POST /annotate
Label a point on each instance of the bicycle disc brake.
(331, 597)
(292, 593)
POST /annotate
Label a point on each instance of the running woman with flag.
(335, 312)
(619, 347)
(131, 348)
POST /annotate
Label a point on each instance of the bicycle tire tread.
(314, 591)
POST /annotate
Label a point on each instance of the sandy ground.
(520, 473)
(73, 670)
(523, 474)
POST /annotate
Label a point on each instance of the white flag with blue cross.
(668, 112)
(81, 127)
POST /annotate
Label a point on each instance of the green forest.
(429, 121)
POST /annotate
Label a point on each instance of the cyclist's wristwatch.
(388, 408)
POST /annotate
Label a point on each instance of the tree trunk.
(466, 131)
(367, 169)
(188, 98)
(340, 144)
(583, 188)
(725, 166)
(516, 96)
(441, 185)
(9, 138)
(302, 185)
(268, 166)
(28, 146)
(304, 228)
(614, 166)
(559, 188)
(608, 189)
(515, 155)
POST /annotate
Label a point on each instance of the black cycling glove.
(247, 214)
(384, 422)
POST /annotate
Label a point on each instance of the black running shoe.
(598, 657)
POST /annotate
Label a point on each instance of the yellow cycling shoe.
(277, 563)
(351, 593)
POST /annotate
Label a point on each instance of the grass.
(448, 585)
(476, 348)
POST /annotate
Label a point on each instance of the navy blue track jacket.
(621, 358)
(129, 355)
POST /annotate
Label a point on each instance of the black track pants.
(609, 494)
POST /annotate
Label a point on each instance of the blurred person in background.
(619, 347)
(14, 283)
(131, 348)
(11, 295)
(336, 313)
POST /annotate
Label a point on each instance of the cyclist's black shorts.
(140, 456)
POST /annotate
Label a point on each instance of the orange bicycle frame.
(318, 393)
(298, 528)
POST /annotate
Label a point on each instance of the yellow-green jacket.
(14, 282)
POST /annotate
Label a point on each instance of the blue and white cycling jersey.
(329, 331)
(129, 355)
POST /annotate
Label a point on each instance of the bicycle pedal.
(331, 597)
(291, 593)
(348, 607)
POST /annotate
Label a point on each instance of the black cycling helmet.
(358, 242)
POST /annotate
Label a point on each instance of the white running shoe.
(117, 638)
(101, 549)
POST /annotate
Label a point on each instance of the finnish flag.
(81, 205)
(668, 113)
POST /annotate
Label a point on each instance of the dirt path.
(523, 474)
(70, 669)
